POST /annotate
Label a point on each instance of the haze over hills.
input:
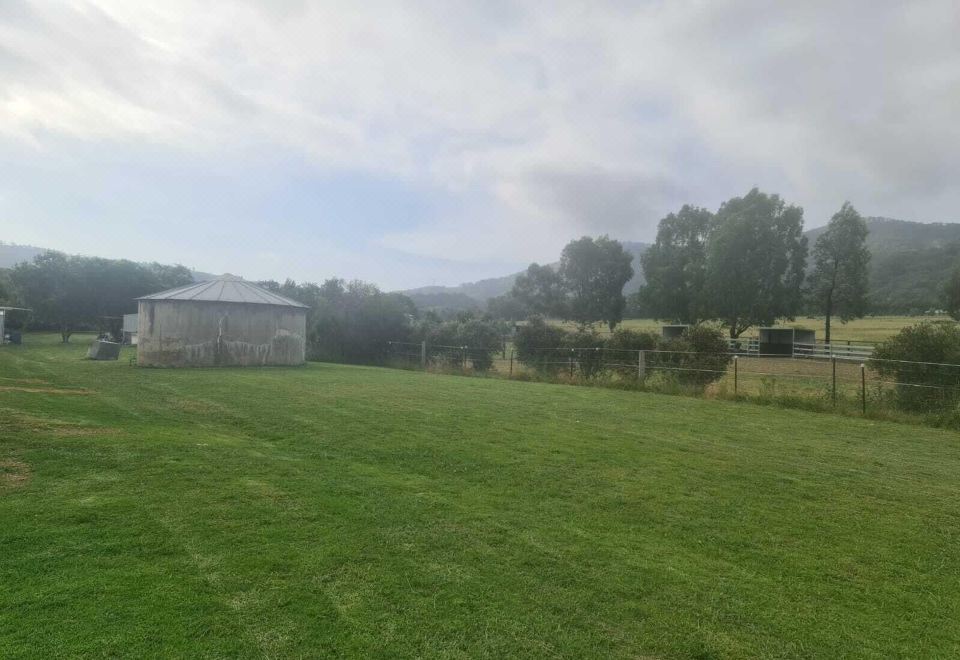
(909, 265)
(475, 294)
(12, 254)
(911, 261)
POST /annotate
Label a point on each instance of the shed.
(130, 327)
(776, 341)
(223, 322)
(673, 331)
(804, 336)
(11, 335)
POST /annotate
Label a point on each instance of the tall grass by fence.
(840, 381)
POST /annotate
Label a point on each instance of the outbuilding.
(673, 331)
(223, 322)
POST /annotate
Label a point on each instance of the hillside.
(12, 254)
(910, 262)
(475, 294)
(907, 271)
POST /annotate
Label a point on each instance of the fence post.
(642, 366)
(833, 387)
(570, 360)
(463, 359)
(736, 374)
(511, 363)
(863, 386)
(423, 355)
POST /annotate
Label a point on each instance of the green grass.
(337, 510)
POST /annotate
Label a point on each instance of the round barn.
(221, 322)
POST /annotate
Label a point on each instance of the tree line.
(743, 266)
(70, 293)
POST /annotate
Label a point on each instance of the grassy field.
(869, 329)
(337, 510)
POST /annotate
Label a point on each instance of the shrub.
(700, 357)
(468, 338)
(922, 360)
(622, 348)
(484, 338)
(586, 352)
(534, 341)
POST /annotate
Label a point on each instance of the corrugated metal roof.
(225, 289)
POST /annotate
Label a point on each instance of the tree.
(52, 285)
(838, 284)
(70, 292)
(921, 360)
(540, 291)
(593, 272)
(350, 321)
(756, 254)
(507, 307)
(951, 295)
(675, 266)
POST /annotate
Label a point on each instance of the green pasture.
(348, 511)
(868, 329)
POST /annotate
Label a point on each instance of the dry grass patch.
(14, 474)
(44, 390)
(13, 421)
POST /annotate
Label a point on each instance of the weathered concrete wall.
(177, 333)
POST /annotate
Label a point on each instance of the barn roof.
(226, 288)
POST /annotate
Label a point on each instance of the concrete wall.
(177, 333)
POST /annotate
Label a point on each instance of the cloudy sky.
(415, 143)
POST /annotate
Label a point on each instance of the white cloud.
(560, 118)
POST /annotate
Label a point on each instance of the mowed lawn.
(339, 510)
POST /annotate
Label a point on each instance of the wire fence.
(818, 378)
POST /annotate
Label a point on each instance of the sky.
(432, 143)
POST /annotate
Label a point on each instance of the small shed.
(673, 331)
(223, 322)
(10, 333)
(804, 336)
(130, 327)
(776, 341)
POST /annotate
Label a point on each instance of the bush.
(700, 357)
(586, 352)
(533, 342)
(476, 340)
(922, 359)
(484, 338)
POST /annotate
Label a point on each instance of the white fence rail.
(841, 350)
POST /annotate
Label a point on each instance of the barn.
(223, 322)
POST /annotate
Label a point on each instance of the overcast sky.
(415, 143)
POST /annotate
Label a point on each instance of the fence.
(846, 350)
(821, 376)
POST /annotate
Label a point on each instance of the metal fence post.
(736, 374)
(570, 360)
(642, 365)
(511, 363)
(463, 360)
(863, 386)
(423, 355)
(833, 387)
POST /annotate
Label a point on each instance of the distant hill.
(473, 295)
(910, 263)
(12, 254)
